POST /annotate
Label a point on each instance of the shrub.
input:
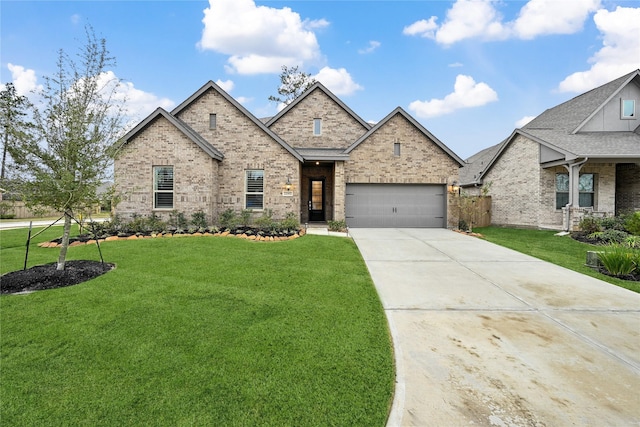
(632, 223)
(613, 236)
(618, 260)
(632, 242)
(199, 220)
(612, 223)
(228, 219)
(337, 225)
(266, 222)
(590, 225)
(290, 222)
(245, 217)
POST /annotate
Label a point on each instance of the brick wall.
(524, 193)
(628, 187)
(515, 185)
(339, 128)
(244, 146)
(421, 161)
(195, 172)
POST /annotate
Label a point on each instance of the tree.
(67, 153)
(293, 83)
(12, 121)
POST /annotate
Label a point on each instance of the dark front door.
(316, 199)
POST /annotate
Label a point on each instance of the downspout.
(572, 183)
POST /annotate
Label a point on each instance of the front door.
(316, 199)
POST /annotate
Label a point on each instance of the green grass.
(545, 245)
(198, 331)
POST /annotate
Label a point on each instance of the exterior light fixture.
(454, 188)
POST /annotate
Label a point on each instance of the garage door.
(396, 205)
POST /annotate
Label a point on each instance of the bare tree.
(67, 153)
(293, 83)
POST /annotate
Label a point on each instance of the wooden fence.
(19, 210)
(475, 210)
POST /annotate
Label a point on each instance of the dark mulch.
(47, 277)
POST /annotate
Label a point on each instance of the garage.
(396, 205)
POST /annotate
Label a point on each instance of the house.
(580, 157)
(315, 158)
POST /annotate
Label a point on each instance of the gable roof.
(180, 125)
(558, 128)
(414, 122)
(210, 85)
(318, 86)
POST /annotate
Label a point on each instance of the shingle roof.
(560, 127)
(180, 125)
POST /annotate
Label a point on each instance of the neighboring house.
(582, 156)
(316, 158)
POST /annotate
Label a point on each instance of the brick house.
(580, 157)
(316, 158)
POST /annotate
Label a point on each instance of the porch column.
(573, 207)
(339, 192)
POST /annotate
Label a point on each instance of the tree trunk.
(65, 241)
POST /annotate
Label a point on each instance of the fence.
(19, 210)
(475, 210)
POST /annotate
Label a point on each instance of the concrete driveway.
(487, 336)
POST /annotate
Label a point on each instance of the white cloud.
(259, 39)
(466, 94)
(338, 81)
(481, 19)
(139, 103)
(24, 80)
(523, 121)
(619, 55)
(422, 28)
(539, 17)
(75, 18)
(226, 85)
(373, 45)
(456, 65)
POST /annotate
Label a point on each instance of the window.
(628, 109)
(317, 127)
(212, 121)
(585, 188)
(163, 187)
(254, 190)
(396, 149)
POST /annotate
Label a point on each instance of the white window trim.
(155, 191)
(246, 179)
(622, 115)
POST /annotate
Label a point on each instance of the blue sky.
(470, 71)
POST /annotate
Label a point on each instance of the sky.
(470, 71)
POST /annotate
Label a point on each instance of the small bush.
(632, 223)
(613, 236)
(619, 261)
(245, 217)
(266, 222)
(228, 219)
(337, 225)
(590, 225)
(199, 220)
(632, 242)
(290, 222)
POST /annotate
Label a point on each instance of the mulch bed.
(47, 277)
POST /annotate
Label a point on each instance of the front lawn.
(545, 245)
(198, 331)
